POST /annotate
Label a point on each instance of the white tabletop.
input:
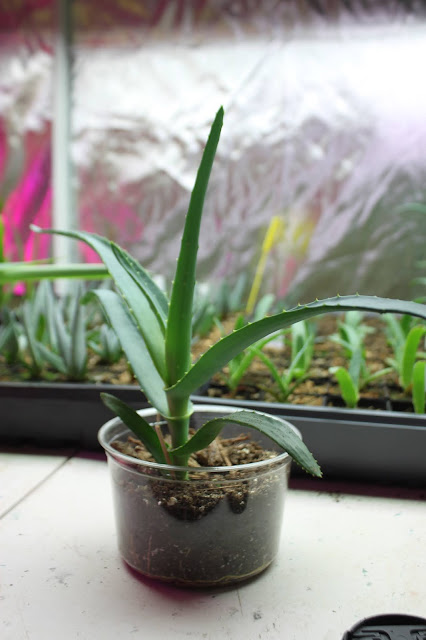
(343, 557)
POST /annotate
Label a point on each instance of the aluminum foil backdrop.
(26, 50)
(325, 126)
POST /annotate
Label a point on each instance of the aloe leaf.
(246, 360)
(347, 386)
(6, 336)
(302, 334)
(179, 324)
(136, 423)
(134, 347)
(295, 370)
(9, 340)
(409, 356)
(158, 299)
(219, 354)
(419, 386)
(396, 338)
(36, 270)
(356, 364)
(78, 346)
(50, 309)
(149, 304)
(377, 374)
(63, 338)
(9, 345)
(36, 364)
(276, 429)
(53, 359)
(279, 380)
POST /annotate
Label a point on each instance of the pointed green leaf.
(419, 386)
(348, 388)
(246, 359)
(28, 321)
(158, 299)
(52, 358)
(63, 338)
(138, 425)
(146, 301)
(409, 355)
(179, 325)
(276, 429)
(224, 350)
(134, 347)
(78, 351)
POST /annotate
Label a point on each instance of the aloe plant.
(156, 333)
(239, 364)
(350, 336)
(419, 386)
(67, 335)
(104, 342)
(302, 346)
(9, 337)
(404, 338)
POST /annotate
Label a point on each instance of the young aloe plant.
(351, 381)
(238, 365)
(405, 339)
(302, 345)
(419, 386)
(156, 336)
(9, 336)
(104, 342)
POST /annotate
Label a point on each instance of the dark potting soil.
(180, 499)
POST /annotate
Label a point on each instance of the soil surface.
(222, 452)
(319, 388)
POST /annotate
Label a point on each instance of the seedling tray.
(381, 446)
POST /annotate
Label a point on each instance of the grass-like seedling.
(350, 336)
(405, 339)
(302, 335)
(156, 334)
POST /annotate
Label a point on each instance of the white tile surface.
(20, 473)
(342, 558)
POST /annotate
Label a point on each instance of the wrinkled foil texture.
(325, 127)
(26, 63)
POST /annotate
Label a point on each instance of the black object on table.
(388, 627)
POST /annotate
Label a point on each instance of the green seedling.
(156, 334)
(405, 340)
(31, 330)
(302, 339)
(238, 366)
(51, 334)
(302, 336)
(67, 335)
(421, 280)
(419, 386)
(104, 342)
(350, 336)
(9, 337)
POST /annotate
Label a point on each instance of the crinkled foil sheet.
(26, 63)
(325, 127)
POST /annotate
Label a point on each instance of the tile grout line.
(38, 485)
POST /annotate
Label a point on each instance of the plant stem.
(179, 409)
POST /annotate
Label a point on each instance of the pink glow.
(29, 202)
